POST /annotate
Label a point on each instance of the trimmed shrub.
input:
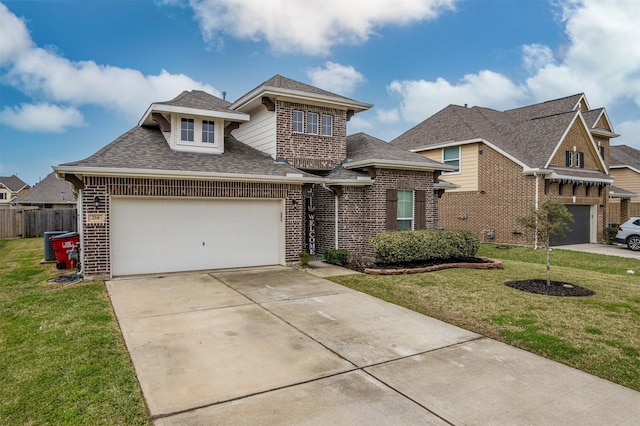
(609, 234)
(304, 259)
(401, 247)
(336, 256)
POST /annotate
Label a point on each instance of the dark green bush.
(609, 234)
(304, 259)
(336, 256)
(417, 246)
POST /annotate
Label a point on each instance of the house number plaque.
(95, 218)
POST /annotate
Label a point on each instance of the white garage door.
(170, 235)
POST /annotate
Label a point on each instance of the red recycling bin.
(63, 245)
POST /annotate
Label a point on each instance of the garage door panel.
(155, 235)
(580, 228)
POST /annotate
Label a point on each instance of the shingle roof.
(624, 155)
(362, 147)
(282, 82)
(13, 183)
(50, 190)
(198, 99)
(528, 134)
(146, 149)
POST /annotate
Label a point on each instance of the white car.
(629, 233)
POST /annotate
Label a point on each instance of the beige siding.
(260, 132)
(467, 177)
(626, 179)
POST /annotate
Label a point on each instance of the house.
(49, 193)
(201, 183)
(11, 187)
(625, 170)
(508, 162)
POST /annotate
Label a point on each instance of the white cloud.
(421, 99)
(536, 56)
(46, 76)
(602, 58)
(41, 117)
(629, 132)
(336, 78)
(310, 27)
(388, 116)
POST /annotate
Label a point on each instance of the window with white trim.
(208, 135)
(405, 210)
(568, 158)
(297, 121)
(580, 159)
(312, 123)
(327, 125)
(451, 156)
(187, 129)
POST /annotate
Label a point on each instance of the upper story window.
(297, 121)
(574, 159)
(312, 123)
(327, 125)
(451, 156)
(208, 135)
(405, 210)
(187, 129)
(3, 195)
(601, 151)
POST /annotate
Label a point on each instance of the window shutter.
(392, 209)
(568, 155)
(421, 201)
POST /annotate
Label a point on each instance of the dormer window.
(187, 128)
(208, 136)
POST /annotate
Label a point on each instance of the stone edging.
(494, 264)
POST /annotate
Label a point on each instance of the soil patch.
(556, 288)
(434, 265)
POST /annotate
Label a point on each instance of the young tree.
(551, 220)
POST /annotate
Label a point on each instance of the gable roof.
(528, 135)
(13, 183)
(283, 87)
(143, 151)
(624, 156)
(50, 190)
(364, 150)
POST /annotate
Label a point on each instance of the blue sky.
(74, 75)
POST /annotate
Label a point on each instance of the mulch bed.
(415, 268)
(556, 288)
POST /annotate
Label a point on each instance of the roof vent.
(224, 96)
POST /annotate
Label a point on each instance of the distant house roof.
(624, 156)
(617, 192)
(144, 151)
(13, 183)
(529, 134)
(50, 190)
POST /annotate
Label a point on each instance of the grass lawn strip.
(63, 360)
(596, 334)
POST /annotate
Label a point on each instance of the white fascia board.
(174, 174)
(172, 109)
(298, 95)
(604, 133)
(401, 165)
(582, 98)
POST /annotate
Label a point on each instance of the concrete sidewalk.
(619, 250)
(278, 346)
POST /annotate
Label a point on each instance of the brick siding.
(504, 195)
(96, 236)
(309, 151)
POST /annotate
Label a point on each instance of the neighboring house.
(11, 187)
(202, 183)
(50, 193)
(625, 170)
(508, 162)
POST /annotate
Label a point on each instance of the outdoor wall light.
(96, 200)
(294, 202)
(464, 217)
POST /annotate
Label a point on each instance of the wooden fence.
(29, 223)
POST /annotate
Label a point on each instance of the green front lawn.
(597, 334)
(62, 357)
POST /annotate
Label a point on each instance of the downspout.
(535, 237)
(335, 213)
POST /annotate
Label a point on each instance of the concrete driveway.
(278, 346)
